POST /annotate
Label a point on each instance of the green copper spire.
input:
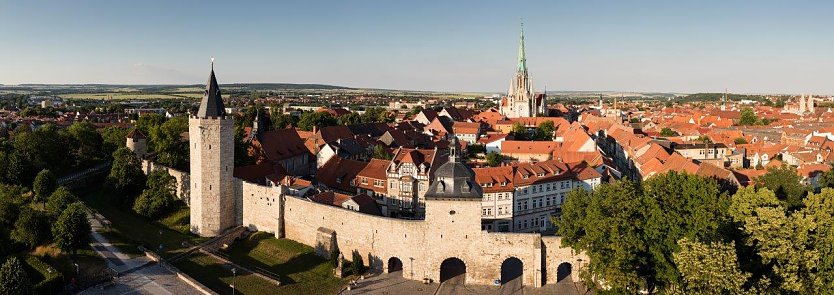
(522, 60)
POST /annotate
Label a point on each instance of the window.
(393, 184)
(525, 204)
(379, 183)
(503, 183)
(364, 180)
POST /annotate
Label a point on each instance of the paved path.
(395, 284)
(138, 275)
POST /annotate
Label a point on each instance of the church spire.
(522, 59)
(212, 103)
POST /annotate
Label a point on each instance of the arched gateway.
(453, 270)
(395, 265)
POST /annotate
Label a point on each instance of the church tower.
(211, 142)
(521, 100)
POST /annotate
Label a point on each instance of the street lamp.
(411, 268)
(234, 272)
(578, 269)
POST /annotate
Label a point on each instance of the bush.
(53, 279)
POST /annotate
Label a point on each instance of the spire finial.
(212, 63)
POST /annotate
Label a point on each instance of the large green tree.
(709, 268)
(126, 172)
(166, 140)
(786, 183)
(545, 130)
(113, 137)
(44, 185)
(785, 241)
(59, 200)
(31, 228)
(13, 278)
(158, 198)
(86, 143)
(631, 232)
(72, 229)
(748, 117)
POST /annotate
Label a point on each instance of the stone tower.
(211, 142)
(137, 143)
(454, 198)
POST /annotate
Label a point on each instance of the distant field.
(124, 95)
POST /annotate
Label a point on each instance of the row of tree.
(28, 151)
(685, 234)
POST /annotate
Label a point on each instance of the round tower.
(211, 145)
(137, 142)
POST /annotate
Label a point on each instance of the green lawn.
(217, 276)
(300, 270)
(171, 233)
(124, 244)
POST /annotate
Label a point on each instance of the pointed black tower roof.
(212, 104)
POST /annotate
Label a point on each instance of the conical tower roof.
(212, 104)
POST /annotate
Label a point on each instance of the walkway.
(138, 275)
(395, 284)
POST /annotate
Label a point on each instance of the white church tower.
(521, 100)
(211, 142)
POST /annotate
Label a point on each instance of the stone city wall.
(423, 245)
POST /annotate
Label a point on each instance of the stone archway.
(512, 270)
(453, 271)
(395, 266)
(563, 273)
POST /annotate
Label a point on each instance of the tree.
(59, 200)
(316, 119)
(13, 278)
(709, 268)
(381, 153)
(281, 121)
(786, 183)
(666, 131)
(113, 137)
(44, 185)
(748, 117)
(634, 120)
(494, 159)
(31, 228)
(87, 142)
(740, 140)
(545, 130)
(158, 198)
(606, 224)
(167, 142)
(519, 131)
(72, 229)
(126, 172)
(631, 232)
(787, 243)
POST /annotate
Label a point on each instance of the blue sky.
(683, 46)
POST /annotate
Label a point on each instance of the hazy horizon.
(762, 47)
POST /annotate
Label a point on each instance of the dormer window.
(541, 174)
(525, 176)
(339, 179)
(503, 183)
